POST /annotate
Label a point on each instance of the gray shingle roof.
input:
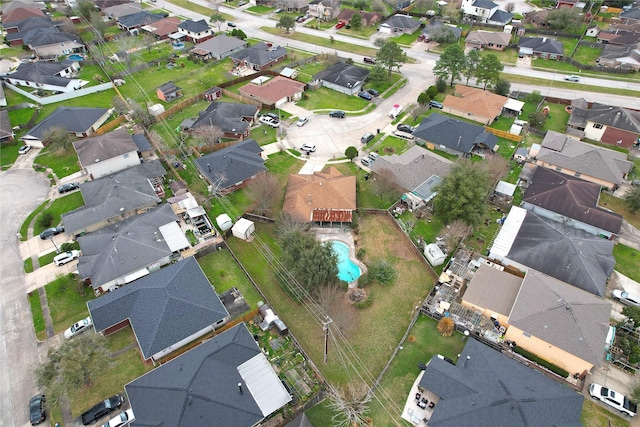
(542, 45)
(109, 196)
(343, 74)
(487, 388)
(402, 21)
(236, 163)
(141, 142)
(220, 44)
(616, 117)
(566, 253)
(45, 38)
(42, 72)
(484, 4)
(104, 147)
(501, 16)
(125, 247)
(138, 19)
(200, 387)
(194, 26)
(72, 119)
(571, 197)
(454, 134)
(163, 308)
(259, 54)
(228, 116)
(579, 320)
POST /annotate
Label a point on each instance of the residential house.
(454, 136)
(103, 4)
(46, 76)
(219, 47)
(163, 28)
(478, 10)
(20, 14)
(557, 322)
(233, 167)
(107, 153)
(631, 16)
(500, 17)
(620, 57)
(570, 3)
(605, 167)
(541, 47)
(154, 307)
(399, 24)
(571, 201)
(130, 249)
(612, 125)
(323, 198)
(343, 77)
(619, 38)
(117, 11)
(195, 31)
(115, 198)
(277, 90)
(143, 145)
(169, 92)
(259, 57)
(234, 119)
(80, 121)
(537, 18)
(226, 378)
(323, 10)
(134, 21)
(368, 18)
(18, 30)
(487, 40)
(298, 6)
(474, 104)
(486, 388)
(435, 26)
(49, 45)
(529, 241)
(6, 130)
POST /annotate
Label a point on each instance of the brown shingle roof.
(325, 196)
(166, 26)
(476, 101)
(274, 89)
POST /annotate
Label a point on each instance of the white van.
(66, 257)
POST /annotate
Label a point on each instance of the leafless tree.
(58, 138)
(218, 181)
(509, 7)
(454, 233)
(378, 6)
(119, 105)
(287, 224)
(351, 405)
(343, 315)
(496, 166)
(418, 110)
(125, 46)
(264, 192)
(329, 58)
(148, 40)
(207, 136)
(68, 26)
(384, 185)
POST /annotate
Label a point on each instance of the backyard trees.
(489, 69)
(98, 25)
(565, 18)
(462, 194)
(391, 55)
(351, 405)
(85, 8)
(450, 64)
(442, 34)
(73, 365)
(503, 87)
(351, 152)
(360, 4)
(632, 199)
(384, 185)
(446, 326)
(264, 193)
(356, 21)
(424, 98)
(377, 74)
(207, 136)
(537, 119)
(471, 64)
(58, 138)
(287, 22)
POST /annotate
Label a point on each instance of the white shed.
(224, 222)
(243, 229)
(434, 254)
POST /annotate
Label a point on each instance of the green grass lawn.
(24, 228)
(9, 154)
(58, 207)
(627, 261)
(36, 314)
(63, 163)
(617, 205)
(328, 99)
(224, 273)
(323, 42)
(595, 415)
(66, 304)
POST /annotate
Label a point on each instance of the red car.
(340, 24)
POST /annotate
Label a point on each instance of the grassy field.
(63, 163)
(57, 208)
(594, 415)
(323, 42)
(66, 304)
(627, 261)
(617, 205)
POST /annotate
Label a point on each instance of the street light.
(54, 244)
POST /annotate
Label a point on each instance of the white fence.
(62, 96)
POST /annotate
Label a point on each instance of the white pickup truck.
(395, 111)
(613, 398)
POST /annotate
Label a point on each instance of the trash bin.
(378, 130)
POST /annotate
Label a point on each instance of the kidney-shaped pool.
(347, 269)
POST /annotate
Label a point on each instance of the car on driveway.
(24, 149)
(37, 413)
(231, 24)
(50, 232)
(365, 95)
(70, 186)
(124, 418)
(65, 257)
(369, 61)
(339, 114)
(78, 328)
(302, 121)
(613, 399)
(626, 298)
(340, 25)
(436, 104)
(373, 92)
(572, 78)
(309, 148)
(366, 138)
(101, 409)
(405, 128)
(269, 121)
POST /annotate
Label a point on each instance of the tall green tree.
(85, 8)
(351, 152)
(287, 22)
(471, 64)
(489, 70)
(503, 87)
(567, 19)
(217, 19)
(377, 74)
(462, 194)
(632, 199)
(391, 55)
(450, 64)
(356, 21)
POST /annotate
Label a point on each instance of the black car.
(373, 92)
(339, 114)
(436, 104)
(50, 232)
(365, 95)
(405, 128)
(65, 188)
(103, 408)
(37, 413)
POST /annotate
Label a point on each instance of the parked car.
(365, 95)
(366, 161)
(436, 104)
(404, 135)
(626, 298)
(269, 121)
(369, 61)
(24, 149)
(572, 78)
(367, 137)
(402, 127)
(309, 148)
(635, 182)
(231, 24)
(124, 418)
(65, 257)
(340, 25)
(373, 92)
(272, 115)
(373, 155)
(613, 398)
(37, 413)
(302, 121)
(300, 18)
(103, 408)
(339, 114)
(78, 327)
(65, 188)
(50, 232)
(278, 10)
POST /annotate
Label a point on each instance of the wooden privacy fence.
(504, 134)
(110, 125)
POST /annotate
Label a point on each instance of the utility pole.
(325, 328)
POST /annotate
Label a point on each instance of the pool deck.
(346, 237)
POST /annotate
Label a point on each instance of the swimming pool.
(178, 45)
(347, 269)
(75, 57)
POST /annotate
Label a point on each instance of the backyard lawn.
(66, 304)
(57, 208)
(627, 261)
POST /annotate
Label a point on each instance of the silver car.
(626, 298)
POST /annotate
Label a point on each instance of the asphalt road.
(21, 191)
